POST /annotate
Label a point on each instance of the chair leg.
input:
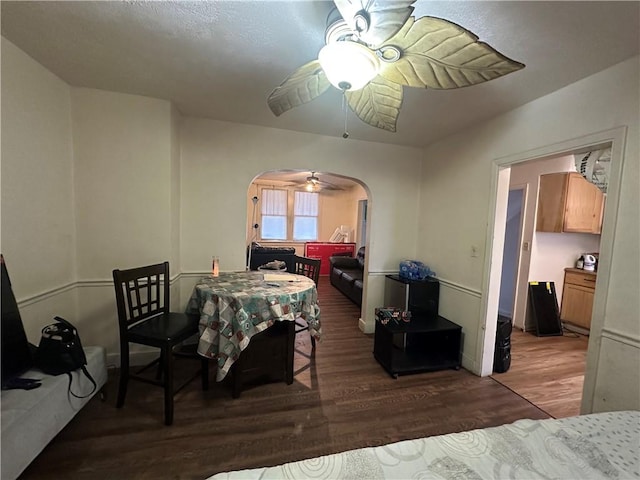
(160, 366)
(124, 374)
(168, 385)
(313, 343)
(205, 374)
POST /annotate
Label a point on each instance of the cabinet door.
(583, 207)
(551, 200)
(577, 305)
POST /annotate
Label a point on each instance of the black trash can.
(502, 352)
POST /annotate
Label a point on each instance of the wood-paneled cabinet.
(577, 297)
(569, 203)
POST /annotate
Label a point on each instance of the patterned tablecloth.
(237, 305)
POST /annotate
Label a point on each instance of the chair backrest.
(141, 293)
(309, 267)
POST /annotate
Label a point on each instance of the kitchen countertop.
(579, 270)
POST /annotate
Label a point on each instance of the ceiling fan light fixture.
(375, 48)
(348, 65)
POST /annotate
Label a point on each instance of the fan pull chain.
(344, 109)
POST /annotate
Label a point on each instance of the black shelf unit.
(421, 345)
(420, 297)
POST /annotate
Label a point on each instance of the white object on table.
(280, 277)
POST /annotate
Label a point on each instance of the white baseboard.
(469, 363)
(362, 325)
(575, 328)
(136, 359)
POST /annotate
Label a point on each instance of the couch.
(32, 418)
(346, 274)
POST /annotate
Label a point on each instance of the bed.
(603, 445)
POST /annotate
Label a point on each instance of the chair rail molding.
(42, 296)
(91, 283)
(621, 337)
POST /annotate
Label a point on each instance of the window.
(274, 215)
(305, 216)
(289, 215)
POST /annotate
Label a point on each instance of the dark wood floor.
(342, 400)
(548, 371)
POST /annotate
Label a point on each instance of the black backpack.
(60, 351)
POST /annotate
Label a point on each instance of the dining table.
(235, 306)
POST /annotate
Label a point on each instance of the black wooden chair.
(144, 317)
(309, 267)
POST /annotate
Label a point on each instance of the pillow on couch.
(360, 257)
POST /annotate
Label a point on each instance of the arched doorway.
(340, 214)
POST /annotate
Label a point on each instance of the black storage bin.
(261, 255)
(502, 352)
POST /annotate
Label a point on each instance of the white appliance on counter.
(589, 262)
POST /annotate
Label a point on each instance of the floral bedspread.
(596, 446)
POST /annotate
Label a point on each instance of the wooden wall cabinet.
(569, 203)
(577, 297)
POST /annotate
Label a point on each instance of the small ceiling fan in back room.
(375, 47)
(313, 184)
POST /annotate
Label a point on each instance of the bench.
(32, 418)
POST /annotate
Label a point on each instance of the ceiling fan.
(313, 184)
(375, 47)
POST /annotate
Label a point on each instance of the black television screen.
(16, 356)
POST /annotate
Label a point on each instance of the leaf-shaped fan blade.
(439, 54)
(378, 103)
(305, 84)
(385, 17)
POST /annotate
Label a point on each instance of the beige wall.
(124, 205)
(123, 181)
(37, 193)
(220, 160)
(176, 120)
(338, 208)
(459, 182)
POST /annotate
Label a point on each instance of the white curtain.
(274, 202)
(306, 204)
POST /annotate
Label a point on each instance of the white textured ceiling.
(221, 59)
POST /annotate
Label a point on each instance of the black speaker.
(502, 352)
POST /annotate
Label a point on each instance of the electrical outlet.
(474, 251)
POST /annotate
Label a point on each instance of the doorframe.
(500, 174)
(362, 220)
